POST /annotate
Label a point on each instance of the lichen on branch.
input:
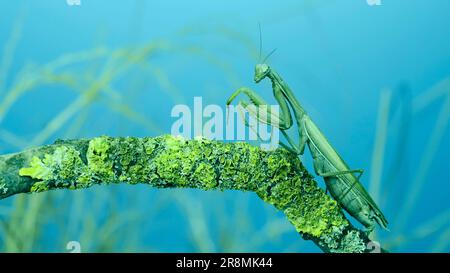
(277, 177)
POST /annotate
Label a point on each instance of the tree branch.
(278, 177)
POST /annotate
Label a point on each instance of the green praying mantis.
(340, 180)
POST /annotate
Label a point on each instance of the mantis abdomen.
(341, 182)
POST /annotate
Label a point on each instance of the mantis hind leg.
(329, 174)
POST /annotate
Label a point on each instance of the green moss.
(150, 145)
(316, 214)
(277, 177)
(290, 189)
(36, 170)
(60, 169)
(173, 166)
(331, 240)
(39, 187)
(136, 174)
(66, 164)
(127, 156)
(277, 165)
(283, 194)
(98, 158)
(206, 176)
(84, 181)
(234, 168)
(351, 243)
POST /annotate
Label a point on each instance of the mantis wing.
(321, 148)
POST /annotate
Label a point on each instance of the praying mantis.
(340, 180)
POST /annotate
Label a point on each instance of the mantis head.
(261, 71)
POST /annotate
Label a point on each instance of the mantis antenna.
(268, 55)
(260, 41)
(261, 46)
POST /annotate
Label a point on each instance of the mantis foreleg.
(282, 121)
(294, 148)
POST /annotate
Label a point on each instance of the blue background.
(337, 56)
